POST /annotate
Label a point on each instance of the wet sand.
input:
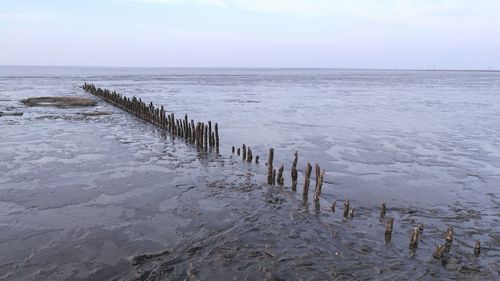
(110, 197)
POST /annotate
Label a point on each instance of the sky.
(394, 34)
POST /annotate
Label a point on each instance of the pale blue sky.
(445, 34)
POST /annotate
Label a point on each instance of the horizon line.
(258, 67)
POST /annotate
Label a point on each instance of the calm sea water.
(81, 196)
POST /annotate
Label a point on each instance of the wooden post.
(294, 171)
(439, 251)
(193, 132)
(210, 133)
(449, 234)
(333, 206)
(346, 208)
(421, 228)
(206, 136)
(280, 178)
(232, 149)
(319, 183)
(388, 226)
(216, 135)
(383, 210)
(244, 150)
(307, 179)
(270, 166)
(162, 112)
(274, 177)
(477, 248)
(238, 151)
(186, 128)
(317, 171)
(249, 155)
(414, 239)
(257, 159)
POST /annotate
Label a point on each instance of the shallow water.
(81, 196)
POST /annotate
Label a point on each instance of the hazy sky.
(451, 34)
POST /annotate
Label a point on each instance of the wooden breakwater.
(202, 135)
(199, 133)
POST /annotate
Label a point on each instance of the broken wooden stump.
(244, 150)
(280, 179)
(477, 248)
(383, 210)
(216, 135)
(414, 239)
(257, 159)
(346, 208)
(421, 228)
(319, 183)
(438, 252)
(449, 234)
(270, 166)
(249, 155)
(388, 226)
(307, 179)
(273, 180)
(294, 173)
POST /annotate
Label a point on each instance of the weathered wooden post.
(280, 178)
(206, 136)
(216, 135)
(210, 133)
(274, 177)
(383, 210)
(346, 208)
(294, 171)
(270, 166)
(232, 149)
(439, 251)
(477, 248)
(186, 127)
(319, 183)
(307, 179)
(249, 155)
(257, 159)
(414, 239)
(449, 234)
(388, 226)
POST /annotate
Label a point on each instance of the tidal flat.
(93, 193)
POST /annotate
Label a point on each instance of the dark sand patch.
(10, 114)
(94, 113)
(61, 102)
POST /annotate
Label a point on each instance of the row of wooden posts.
(199, 134)
(276, 177)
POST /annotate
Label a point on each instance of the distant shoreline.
(257, 68)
